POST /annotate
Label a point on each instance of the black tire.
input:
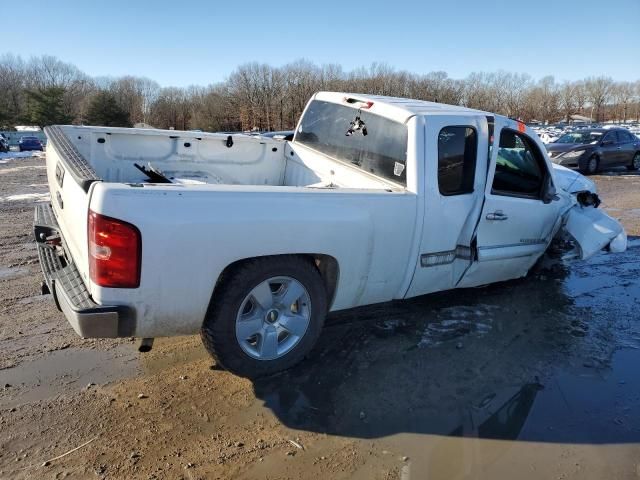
(590, 166)
(218, 332)
(635, 163)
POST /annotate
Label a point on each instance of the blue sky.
(182, 42)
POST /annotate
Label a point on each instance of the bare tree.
(12, 86)
(515, 89)
(260, 96)
(598, 92)
(622, 94)
(580, 94)
(568, 100)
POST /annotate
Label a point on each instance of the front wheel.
(635, 163)
(590, 166)
(266, 315)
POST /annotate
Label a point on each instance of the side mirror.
(606, 143)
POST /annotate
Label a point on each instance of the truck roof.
(399, 109)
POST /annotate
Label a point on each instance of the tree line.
(45, 90)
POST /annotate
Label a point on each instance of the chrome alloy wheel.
(273, 318)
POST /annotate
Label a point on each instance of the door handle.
(618, 148)
(497, 215)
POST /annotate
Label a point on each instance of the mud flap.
(593, 230)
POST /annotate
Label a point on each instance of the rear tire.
(635, 163)
(239, 331)
(591, 166)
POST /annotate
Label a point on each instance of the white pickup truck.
(252, 240)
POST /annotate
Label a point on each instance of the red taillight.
(114, 252)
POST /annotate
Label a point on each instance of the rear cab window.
(457, 152)
(381, 152)
(520, 167)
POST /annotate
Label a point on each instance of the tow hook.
(146, 344)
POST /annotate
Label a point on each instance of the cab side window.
(520, 167)
(457, 150)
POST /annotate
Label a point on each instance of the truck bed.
(198, 158)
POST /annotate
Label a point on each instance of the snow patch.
(36, 197)
(17, 169)
(11, 155)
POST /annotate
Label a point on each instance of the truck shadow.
(548, 358)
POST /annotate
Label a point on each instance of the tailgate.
(70, 177)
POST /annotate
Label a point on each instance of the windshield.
(375, 144)
(580, 138)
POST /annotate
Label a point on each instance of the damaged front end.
(588, 229)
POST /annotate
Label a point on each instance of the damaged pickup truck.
(251, 240)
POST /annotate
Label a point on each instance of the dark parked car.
(594, 149)
(4, 144)
(29, 143)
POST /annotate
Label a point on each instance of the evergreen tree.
(105, 111)
(46, 107)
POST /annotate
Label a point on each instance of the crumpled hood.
(572, 181)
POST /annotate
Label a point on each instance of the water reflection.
(525, 365)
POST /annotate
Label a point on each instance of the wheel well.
(326, 265)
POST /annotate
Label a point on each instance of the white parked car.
(252, 240)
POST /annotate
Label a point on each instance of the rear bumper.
(87, 318)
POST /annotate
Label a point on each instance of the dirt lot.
(535, 378)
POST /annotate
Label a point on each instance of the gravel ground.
(536, 376)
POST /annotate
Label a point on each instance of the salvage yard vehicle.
(4, 144)
(596, 149)
(29, 143)
(251, 240)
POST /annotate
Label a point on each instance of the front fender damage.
(591, 231)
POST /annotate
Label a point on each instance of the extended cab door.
(452, 178)
(521, 213)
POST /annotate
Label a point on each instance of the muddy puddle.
(7, 273)
(181, 351)
(549, 358)
(65, 371)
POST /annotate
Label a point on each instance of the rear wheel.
(266, 315)
(590, 166)
(635, 162)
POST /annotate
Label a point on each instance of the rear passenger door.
(453, 176)
(516, 223)
(610, 151)
(626, 147)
